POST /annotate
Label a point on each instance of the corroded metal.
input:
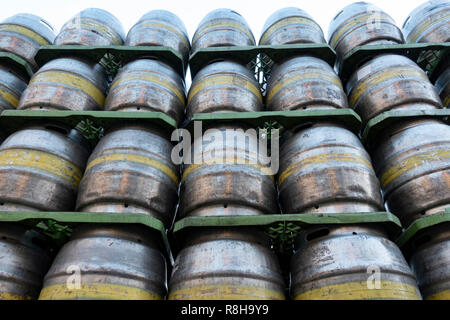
(12, 84)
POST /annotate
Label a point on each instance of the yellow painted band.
(220, 161)
(8, 97)
(229, 79)
(219, 23)
(364, 18)
(42, 161)
(443, 295)
(36, 37)
(136, 159)
(411, 163)
(70, 79)
(287, 22)
(447, 101)
(436, 19)
(100, 28)
(10, 296)
(225, 292)
(96, 291)
(384, 75)
(359, 291)
(165, 26)
(307, 76)
(135, 76)
(322, 158)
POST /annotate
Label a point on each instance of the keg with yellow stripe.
(412, 160)
(304, 82)
(130, 170)
(224, 86)
(160, 28)
(429, 22)
(352, 262)
(66, 84)
(291, 25)
(226, 174)
(362, 23)
(12, 84)
(107, 262)
(443, 86)
(24, 262)
(92, 27)
(222, 28)
(23, 34)
(226, 265)
(390, 82)
(40, 168)
(148, 85)
(324, 168)
(430, 260)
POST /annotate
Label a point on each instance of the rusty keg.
(23, 34)
(214, 265)
(222, 28)
(328, 265)
(148, 85)
(412, 160)
(131, 171)
(12, 84)
(224, 86)
(112, 262)
(429, 22)
(227, 175)
(362, 23)
(91, 27)
(443, 86)
(390, 82)
(24, 262)
(324, 168)
(160, 28)
(40, 168)
(430, 261)
(304, 83)
(66, 84)
(291, 25)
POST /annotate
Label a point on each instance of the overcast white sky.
(192, 11)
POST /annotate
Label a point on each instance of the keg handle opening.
(57, 129)
(317, 234)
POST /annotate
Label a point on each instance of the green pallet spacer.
(16, 62)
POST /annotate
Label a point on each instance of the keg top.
(166, 16)
(283, 14)
(35, 23)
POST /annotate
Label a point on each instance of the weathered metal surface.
(66, 84)
(224, 86)
(329, 266)
(304, 83)
(214, 265)
(443, 86)
(111, 262)
(12, 84)
(291, 25)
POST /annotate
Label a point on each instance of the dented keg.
(429, 22)
(66, 84)
(224, 86)
(23, 262)
(148, 85)
(91, 27)
(214, 265)
(23, 34)
(430, 261)
(291, 25)
(160, 28)
(443, 86)
(131, 171)
(412, 160)
(227, 175)
(304, 83)
(40, 169)
(222, 28)
(12, 84)
(390, 82)
(328, 265)
(114, 262)
(362, 23)
(325, 169)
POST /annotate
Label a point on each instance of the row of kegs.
(324, 168)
